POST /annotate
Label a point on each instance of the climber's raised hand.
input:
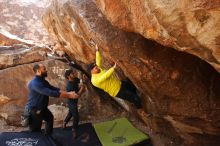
(96, 48)
(115, 65)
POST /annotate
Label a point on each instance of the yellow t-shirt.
(106, 80)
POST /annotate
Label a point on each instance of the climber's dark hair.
(91, 66)
(36, 67)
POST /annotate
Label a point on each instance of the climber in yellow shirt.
(107, 81)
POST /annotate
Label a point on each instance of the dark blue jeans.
(73, 112)
(36, 118)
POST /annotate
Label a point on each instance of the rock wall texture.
(179, 90)
(22, 18)
(20, 54)
(191, 26)
(15, 52)
(14, 92)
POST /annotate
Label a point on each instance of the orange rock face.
(179, 90)
(191, 26)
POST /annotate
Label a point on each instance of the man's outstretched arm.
(54, 92)
(72, 95)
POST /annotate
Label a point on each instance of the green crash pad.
(119, 132)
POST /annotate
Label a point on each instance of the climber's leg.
(129, 95)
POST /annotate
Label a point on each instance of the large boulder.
(15, 51)
(185, 25)
(179, 90)
(21, 54)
